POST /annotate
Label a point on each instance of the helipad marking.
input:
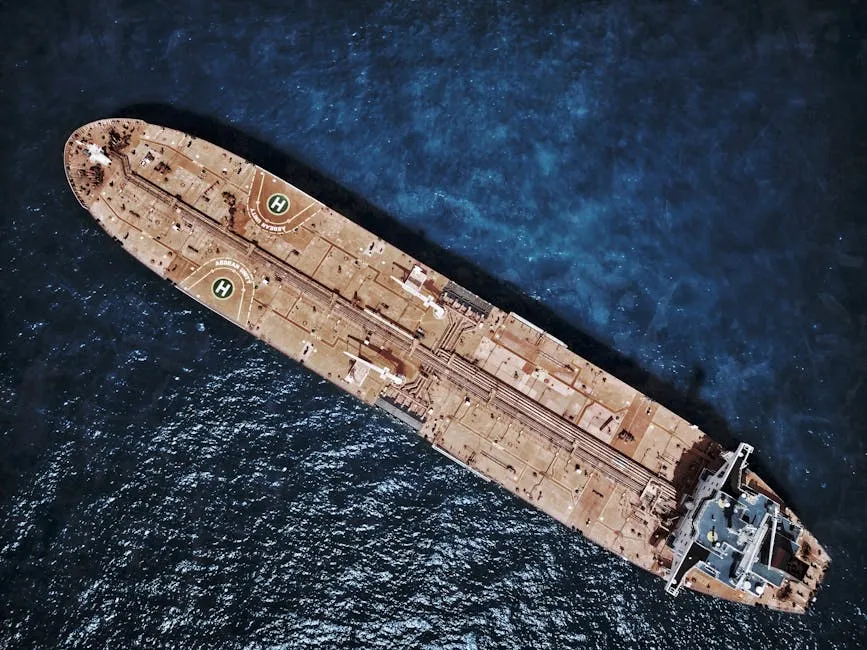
(231, 271)
(222, 288)
(278, 204)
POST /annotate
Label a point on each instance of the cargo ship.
(488, 389)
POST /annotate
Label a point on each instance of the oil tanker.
(488, 389)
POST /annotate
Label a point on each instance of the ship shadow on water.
(505, 295)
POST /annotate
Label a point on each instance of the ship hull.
(487, 388)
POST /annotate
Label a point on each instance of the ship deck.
(487, 388)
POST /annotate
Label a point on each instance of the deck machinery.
(488, 389)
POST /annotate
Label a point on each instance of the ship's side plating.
(489, 389)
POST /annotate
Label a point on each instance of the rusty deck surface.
(487, 388)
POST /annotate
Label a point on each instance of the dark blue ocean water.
(677, 189)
